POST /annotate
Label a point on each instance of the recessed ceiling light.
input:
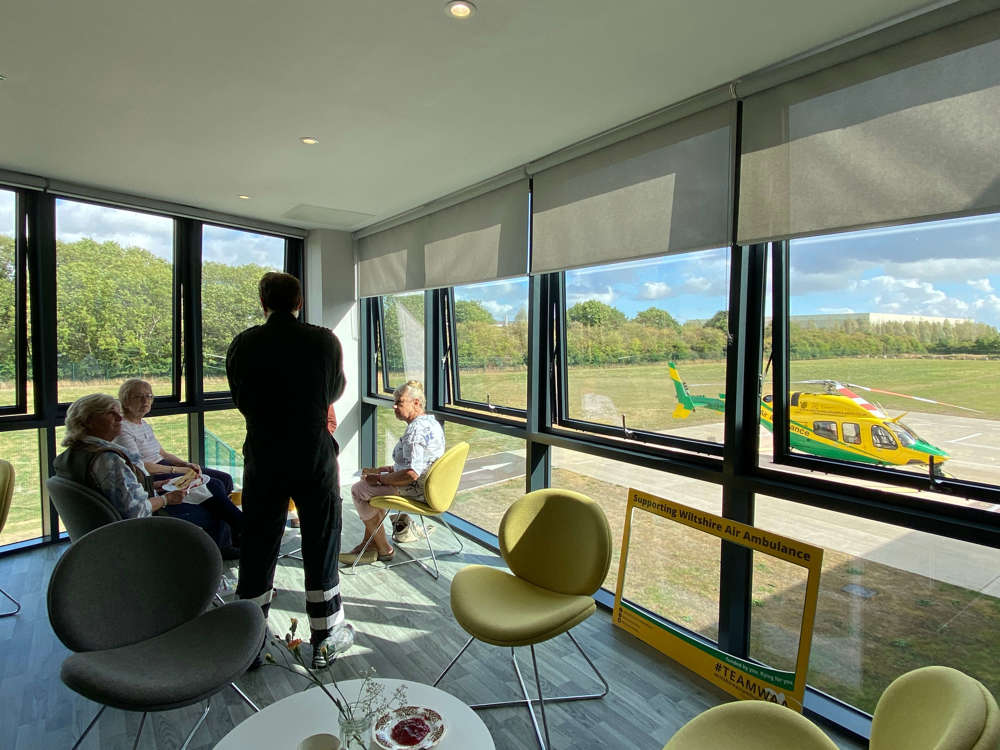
(460, 9)
(309, 140)
(244, 197)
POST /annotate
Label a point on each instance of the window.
(882, 438)
(493, 477)
(401, 340)
(114, 294)
(890, 600)
(626, 323)
(852, 432)
(897, 329)
(8, 298)
(489, 345)
(24, 520)
(827, 430)
(225, 432)
(233, 262)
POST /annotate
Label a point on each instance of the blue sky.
(945, 268)
(75, 220)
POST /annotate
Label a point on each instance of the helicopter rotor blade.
(915, 398)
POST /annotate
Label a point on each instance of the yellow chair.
(6, 496)
(439, 493)
(936, 708)
(557, 544)
(750, 725)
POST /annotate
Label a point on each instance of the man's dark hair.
(280, 292)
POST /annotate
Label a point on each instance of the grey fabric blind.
(668, 189)
(481, 239)
(909, 132)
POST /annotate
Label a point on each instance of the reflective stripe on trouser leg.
(320, 516)
(325, 609)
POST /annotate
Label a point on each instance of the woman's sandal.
(387, 557)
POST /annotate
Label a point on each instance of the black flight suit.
(283, 376)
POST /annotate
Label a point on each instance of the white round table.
(285, 723)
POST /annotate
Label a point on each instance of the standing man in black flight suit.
(283, 376)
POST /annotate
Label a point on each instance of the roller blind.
(668, 189)
(906, 133)
(481, 239)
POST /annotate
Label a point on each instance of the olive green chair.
(557, 544)
(6, 496)
(750, 725)
(936, 708)
(440, 488)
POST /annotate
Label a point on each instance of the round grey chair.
(131, 599)
(80, 508)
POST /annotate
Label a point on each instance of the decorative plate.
(408, 728)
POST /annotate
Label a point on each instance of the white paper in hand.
(198, 491)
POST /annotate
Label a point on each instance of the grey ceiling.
(197, 101)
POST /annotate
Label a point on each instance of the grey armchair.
(131, 599)
(80, 508)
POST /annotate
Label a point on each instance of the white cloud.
(607, 297)
(75, 221)
(983, 285)
(497, 309)
(912, 297)
(654, 290)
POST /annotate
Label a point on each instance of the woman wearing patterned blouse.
(420, 446)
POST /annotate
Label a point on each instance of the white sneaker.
(340, 639)
(227, 586)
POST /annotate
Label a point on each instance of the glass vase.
(356, 733)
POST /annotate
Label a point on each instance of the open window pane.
(491, 343)
(114, 276)
(626, 322)
(8, 309)
(893, 336)
(402, 345)
(232, 263)
(890, 600)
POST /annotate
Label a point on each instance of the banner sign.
(738, 676)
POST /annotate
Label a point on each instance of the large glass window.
(232, 263)
(114, 293)
(607, 482)
(625, 324)
(890, 600)
(8, 308)
(490, 344)
(894, 335)
(225, 432)
(493, 477)
(24, 520)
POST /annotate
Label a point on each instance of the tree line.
(600, 335)
(115, 309)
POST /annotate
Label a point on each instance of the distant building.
(835, 320)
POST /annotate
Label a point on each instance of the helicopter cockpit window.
(851, 432)
(882, 438)
(826, 429)
(906, 438)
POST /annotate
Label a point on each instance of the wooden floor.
(405, 629)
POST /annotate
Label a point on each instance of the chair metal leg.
(433, 557)
(541, 700)
(138, 734)
(295, 554)
(245, 697)
(201, 720)
(17, 605)
(89, 726)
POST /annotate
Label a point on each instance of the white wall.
(331, 302)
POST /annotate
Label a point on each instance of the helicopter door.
(882, 438)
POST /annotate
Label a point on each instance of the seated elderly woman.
(420, 446)
(137, 437)
(93, 459)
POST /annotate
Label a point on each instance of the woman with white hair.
(137, 437)
(92, 459)
(421, 444)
